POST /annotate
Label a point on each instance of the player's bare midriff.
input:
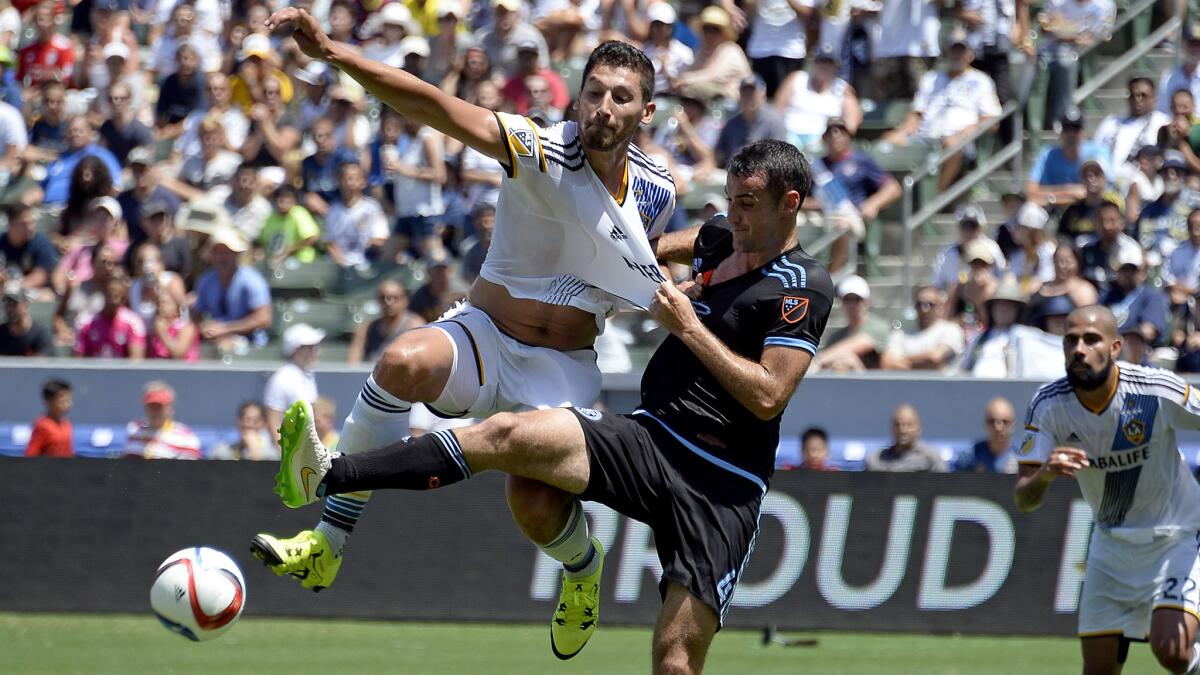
(533, 322)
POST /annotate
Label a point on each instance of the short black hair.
(1108, 204)
(52, 388)
(783, 165)
(616, 54)
(812, 432)
(1183, 90)
(1141, 78)
(246, 405)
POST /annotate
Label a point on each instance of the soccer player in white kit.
(576, 215)
(1111, 426)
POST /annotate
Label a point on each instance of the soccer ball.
(198, 592)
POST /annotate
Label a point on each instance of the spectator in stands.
(248, 210)
(159, 435)
(273, 130)
(1011, 202)
(808, 101)
(180, 93)
(1050, 314)
(516, 91)
(220, 107)
(1078, 222)
(1055, 178)
(420, 175)
(720, 64)
(145, 190)
(182, 31)
(209, 173)
(1134, 347)
(443, 289)
(1101, 257)
(1137, 305)
(904, 45)
(355, 228)
(509, 30)
(1181, 273)
(151, 279)
(993, 454)
(20, 335)
(26, 256)
(1123, 136)
(321, 170)
(814, 449)
(689, 136)
(1184, 76)
(1146, 184)
(1067, 284)
(173, 335)
(81, 300)
(777, 44)
(932, 344)
(972, 224)
(50, 56)
(232, 301)
(48, 135)
(754, 121)
(994, 28)
(395, 25)
(856, 346)
(1006, 348)
(908, 452)
(123, 132)
(81, 143)
(253, 440)
(316, 77)
(473, 70)
(977, 283)
(106, 227)
(325, 420)
(52, 432)
(1068, 27)
(949, 106)
(290, 232)
(669, 55)
(90, 179)
(395, 318)
(351, 129)
(870, 188)
(1163, 222)
(116, 332)
(450, 41)
(476, 248)
(1033, 262)
(1182, 134)
(158, 225)
(294, 380)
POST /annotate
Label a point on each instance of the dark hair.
(781, 163)
(16, 211)
(52, 388)
(811, 432)
(1141, 78)
(1183, 90)
(81, 192)
(1106, 204)
(621, 55)
(246, 405)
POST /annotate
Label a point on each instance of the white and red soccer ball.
(199, 593)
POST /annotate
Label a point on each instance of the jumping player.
(1112, 426)
(577, 211)
(695, 459)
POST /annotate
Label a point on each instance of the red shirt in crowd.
(37, 61)
(514, 90)
(111, 338)
(51, 438)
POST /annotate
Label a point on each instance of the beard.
(601, 138)
(1091, 380)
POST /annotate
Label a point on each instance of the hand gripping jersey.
(560, 237)
(1137, 484)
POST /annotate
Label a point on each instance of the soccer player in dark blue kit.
(695, 459)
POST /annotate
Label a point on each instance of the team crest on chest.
(1135, 431)
(794, 309)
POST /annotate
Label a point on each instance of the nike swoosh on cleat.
(305, 474)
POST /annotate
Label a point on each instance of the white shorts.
(508, 375)
(1125, 582)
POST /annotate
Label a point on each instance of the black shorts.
(704, 518)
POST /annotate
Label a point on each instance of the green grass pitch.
(72, 643)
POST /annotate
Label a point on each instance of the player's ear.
(790, 202)
(1117, 344)
(648, 111)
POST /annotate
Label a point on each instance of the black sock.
(423, 463)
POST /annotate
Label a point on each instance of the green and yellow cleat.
(578, 611)
(306, 556)
(303, 459)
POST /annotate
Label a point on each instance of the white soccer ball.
(199, 593)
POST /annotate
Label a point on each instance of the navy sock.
(422, 463)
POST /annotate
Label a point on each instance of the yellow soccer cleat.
(303, 459)
(578, 611)
(306, 556)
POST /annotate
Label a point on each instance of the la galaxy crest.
(1135, 431)
(794, 309)
(522, 141)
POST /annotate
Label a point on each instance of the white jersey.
(560, 236)
(1137, 483)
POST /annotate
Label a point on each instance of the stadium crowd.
(167, 163)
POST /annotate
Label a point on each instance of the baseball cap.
(414, 44)
(255, 44)
(447, 7)
(510, 5)
(1130, 255)
(1032, 216)
(1174, 159)
(527, 46)
(662, 12)
(158, 395)
(140, 155)
(979, 250)
(1093, 162)
(155, 206)
(1072, 117)
(396, 13)
(230, 239)
(971, 213)
(1149, 151)
(108, 204)
(957, 37)
(314, 73)
(13, 290)
(116, 49)
(346, 91)
(755, 81)
(717, 202)
(825, 52)
(854, 285)
(837, 122)
(301, 335)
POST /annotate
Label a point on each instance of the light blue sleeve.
(258, 293)
(1039, 165)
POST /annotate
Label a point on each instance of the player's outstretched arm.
(1034, 479)
(676, 247)
(408, 95)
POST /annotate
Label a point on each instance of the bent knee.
(537, 508)
(503, 431)
(674, 660)
(1173, 657)
(412, 370)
